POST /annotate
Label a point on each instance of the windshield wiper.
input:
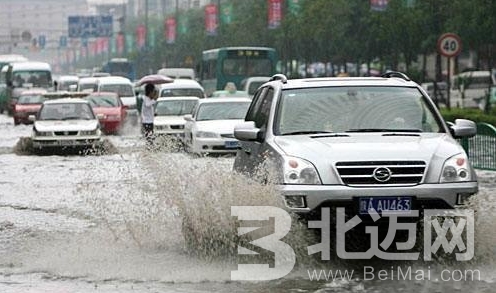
(383, 130)
(306, 132)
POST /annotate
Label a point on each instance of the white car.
(169, 115)
(181, 88)
(65, 123)
(252, 83)
(67, 83)
(211, 127)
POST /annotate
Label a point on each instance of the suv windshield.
(354, 109)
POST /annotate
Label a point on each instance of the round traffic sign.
(449, 45)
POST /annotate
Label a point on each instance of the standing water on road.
(159, 221)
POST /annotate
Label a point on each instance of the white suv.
(361, 142)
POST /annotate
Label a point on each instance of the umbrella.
(155, 79)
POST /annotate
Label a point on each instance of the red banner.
(105, 45)
(170, 30)
(211, 22)
(274, 13)
(93, 48)
(83, 52)
(119, 43)
(140, 36)
(100, 45)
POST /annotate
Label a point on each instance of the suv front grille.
(381, 172)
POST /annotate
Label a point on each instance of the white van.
(87, 84)
(182, 73)
(20, 76)
(474, 86)
(120, 85)
(124, 88)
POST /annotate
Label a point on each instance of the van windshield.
(36, 78)
(123, 90)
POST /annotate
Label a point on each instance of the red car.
(29, 103)
(109, 109)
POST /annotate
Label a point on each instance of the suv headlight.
(299, 171)
(206, 134)
(456, 169)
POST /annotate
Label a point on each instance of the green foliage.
(470, 114)
(336, 30)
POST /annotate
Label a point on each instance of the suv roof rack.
(390, 74)
(280, 77)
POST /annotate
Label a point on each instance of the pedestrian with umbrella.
(148, 112)
(148, 104)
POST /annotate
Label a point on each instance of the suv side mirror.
(188, 117)
(463, 128)
(247, 131)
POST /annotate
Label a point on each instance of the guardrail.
(482, 148)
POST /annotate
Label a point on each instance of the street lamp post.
(146, 24)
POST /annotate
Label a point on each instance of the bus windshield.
(234, 64)
(120, 67)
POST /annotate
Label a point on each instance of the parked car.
(210, 128)
(109, 109)
(470, 89)
(65, 123)
(29, 103)
(169, 115)
(361, 143)
(440, 95)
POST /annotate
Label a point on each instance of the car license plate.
(231, 144)
(385, 204)
(66, 142)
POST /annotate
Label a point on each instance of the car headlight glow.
(456, 169)
(299, 171)
(42, 133)
(206, 134)
(113, 117)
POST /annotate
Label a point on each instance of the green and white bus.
(233, 64)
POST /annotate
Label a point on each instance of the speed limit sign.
(449, 45)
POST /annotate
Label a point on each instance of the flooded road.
(113, 223)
